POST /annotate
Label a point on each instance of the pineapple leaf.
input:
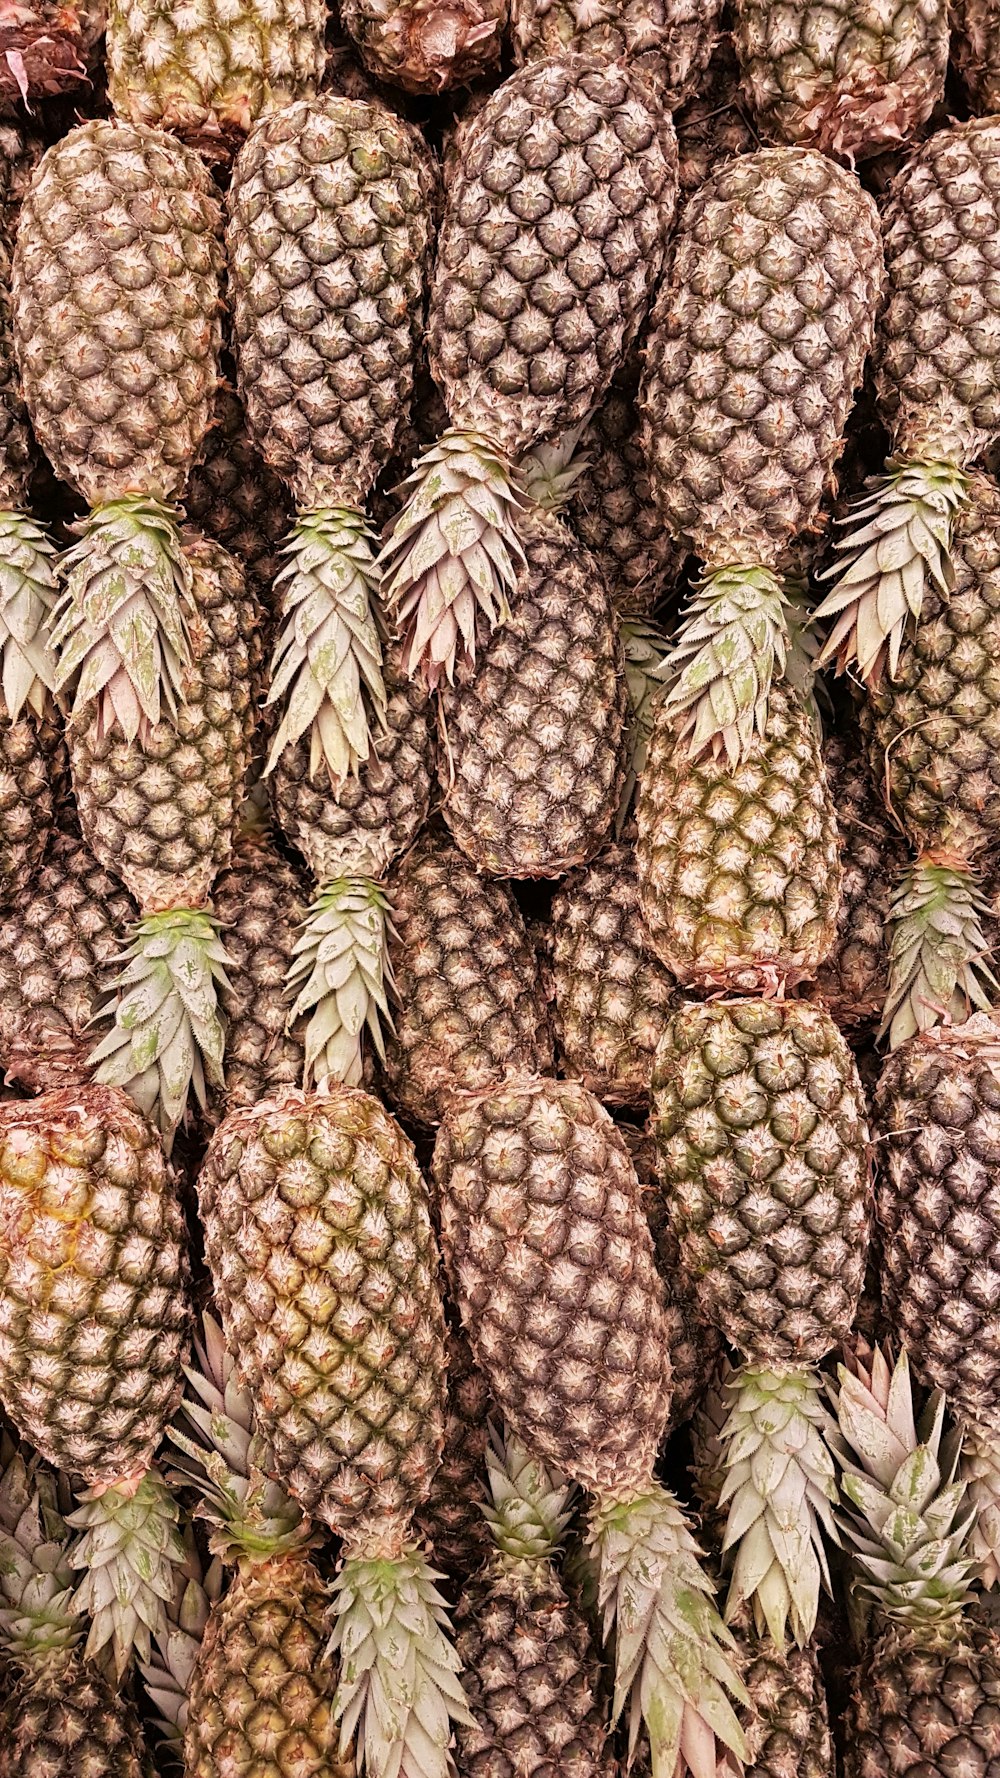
(340, 974)
(733, 640)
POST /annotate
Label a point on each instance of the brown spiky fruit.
(235, 498)
(714, 124)
(61, 947)
(975, 52)
(469, 1005)
(669, 41)
(427, 46)
(612, 997)
(451, 1518)
(612, 509)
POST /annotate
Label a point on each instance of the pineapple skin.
(34, 772)
(358, 827)
(975, 52)
(94, 1245)
(936, 1107)
(930, 1706)
(260, 904)
(122, 222)
(790, 1733)
(532, 763)
(592, 1395)
(850, 78)
(741, 433)
(69, 1724)
(423, 48)
(330, 216)
(469, 1003)
(261, 1696)
(206, 73)
(613, 511)
(233, 497)
(612, 999)
(319, 1242)
(61, 945)
(778, 1252)
(451, 1519)
(669, 41)
(507, 360)
(713, 124)
(739, 868)
(161, 813)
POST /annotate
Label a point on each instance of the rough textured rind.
(848, 76)
(713, 125)
(61, 945)
(975, 51)
(34, 771)
(551, 245)
(612, 998)
(69, 1724)
(162, 813)
(760, 1122)
(233, 497)
(358, 827)
(613, 511)
(540, 1212)
(17, 450)
(427, 46)
(319, 1241)
(468, 1004)
(329, 230)
(937, 1110)
(756, 346)
(93, 1277)
(937, 357)
(739, 871)
(119, 240)
(940, 1705)
(669, 41)
(531, 760)
(260, 904)
(451, 1518)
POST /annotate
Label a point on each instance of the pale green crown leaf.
(398, 1691)
(732, 642)
(937, 951)
(128, 1548)
(340, 975)
(121, 625)
(453, 552)
(550, 470)
(898, 538)
(28, 591)
(781, 1487)
(671, 1649)
(531, 1504)
(647, 666)
(228, 1463)
(327, 666)
(168, 1037)
(40, 1623)
(168, 1673)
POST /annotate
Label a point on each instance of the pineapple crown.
(530, 1506)
(551, 469)
(733, 640)
(937, 948)
(28, 592)
(340, 974)
(228, 1464)
(40, 1622)
(167, 1673)
(906, 1517)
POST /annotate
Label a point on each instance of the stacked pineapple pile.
(499, 889)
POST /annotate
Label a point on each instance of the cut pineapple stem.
(28, 592)
(168, 1037)
(128, 1549)
(937, 948)
(120, 628)
(781, 1487)
(327, 667)
(732, 642)
(898, 535)
(453, 553)
(340, 973)
(671, 1648)
(398, 1690)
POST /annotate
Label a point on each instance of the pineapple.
(533, 1685)
(975, 51)
(849, 78)
(59, 1716)
(349, 836)
(669, 41)
(760, 1121)
(93, 1330)
(531, 760)
(427, 46)
(737, 846)
(541, 1213)
(319, 1241)
(714, 124)
(233, 497)
(167, 1674)
(207, 72)
(261, 1684)
(470, 1005)
(612, 509)
(451, 1520)
(60, 954)
(927, 1690)
(612, 999)
(541, 285)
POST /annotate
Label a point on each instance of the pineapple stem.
(937, 948)
(327, 666)
(398, 1690)
(340, 973)
(128, 1548)
(168, 1036)
(671, 1648)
